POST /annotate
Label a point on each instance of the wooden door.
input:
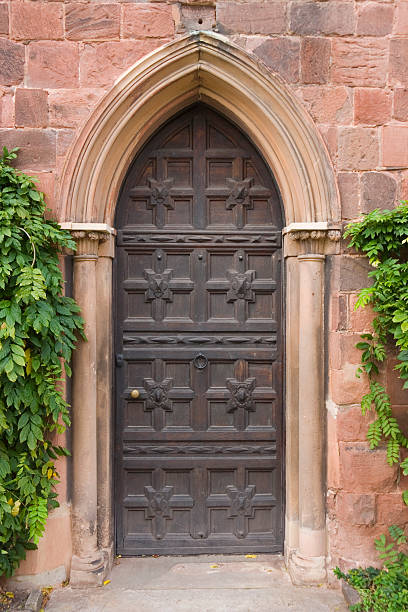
(199, 336)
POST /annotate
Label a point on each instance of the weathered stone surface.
(375, 19)
(36, 21)
(352, 426)
(360, 319)
(92, 21)
(253, 18)
(328, 105)
(31, 108)
(37, 147)
(64, 141)
(401, 104)
(4, 18)
(196, 18)
(378, 191)
(359, 61)
(147, 21)
(338, 312)
(391, 509)
(345, 388)
(364, 470)
(356, 509)
(372, 106)
(353, 273)
(399, 61)
(102, 63)
(322, 18)
(6, 107)
(11, 62)
(355, 543)
(342, 350)
(349, 187)
(330, 137)
(53, 64)
(358, 148)
(315, 60)
(282, 56)
(395, 146)
(70, 108)
(401, 18)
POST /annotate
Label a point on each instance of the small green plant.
(383, 589)
(383, 235)
(38, 330)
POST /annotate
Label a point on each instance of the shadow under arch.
(200, 66)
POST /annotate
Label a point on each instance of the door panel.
(199, 336)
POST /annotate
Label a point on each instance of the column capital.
(90, 237)
(303, 239)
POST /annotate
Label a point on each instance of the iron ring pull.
(200, 361)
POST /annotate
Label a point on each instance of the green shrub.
(386, 589)
(38, 327)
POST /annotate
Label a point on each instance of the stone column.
(307, 565)
(88, 566)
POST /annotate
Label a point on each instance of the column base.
(89, 571)
(307, 570)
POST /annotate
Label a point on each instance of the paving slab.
(207, 583)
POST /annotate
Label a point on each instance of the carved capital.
(300, 241)
(88, 242)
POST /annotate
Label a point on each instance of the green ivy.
(38, 331)
(382, 236)
(383, 589)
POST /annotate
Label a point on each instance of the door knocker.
(200, 362)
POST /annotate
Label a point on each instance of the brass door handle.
(134, 394)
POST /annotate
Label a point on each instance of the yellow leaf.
(10, 595)
(214, 566)
(27, 354)
(16, 508)
(10, 502)
(250, 556)
(49, 473)
(105, 582)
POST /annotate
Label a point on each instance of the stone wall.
(347, 61)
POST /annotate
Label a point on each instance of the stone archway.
(201, 66)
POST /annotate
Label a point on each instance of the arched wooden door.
(199, 337)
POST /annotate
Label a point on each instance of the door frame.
(201, 66)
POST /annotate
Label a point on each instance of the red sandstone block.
(395, 146)
(333, 457)
(53, 64)
(391, 509)
(70, 108)
(36, 20)
(342, 350)
(282, 56)
(375, 19)
(401, 104)
(399, 61)
(315, 60)
(372, 106)
(399, 396)
(355, 544)
(330, 137)
(352, 426)
(6, 107)
(37, 147)
(254, 18)
(92, 21)
(328, 104)
(31, 108)
(64, 141)
(401, 18)
(360, 319)
(102, 63)
(338, 312)
(349, 187)
(378, 191)
(345, 387)
(322, 18)
(195, 18)
(355, 509)
(4, 19)
(359, 61)
(147, 21)
(364, 470)
(358, 148)
(46, 184)
(11, 62)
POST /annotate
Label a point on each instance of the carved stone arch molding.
(201, 66)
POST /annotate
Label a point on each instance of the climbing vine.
(38, 330)
(383, 236)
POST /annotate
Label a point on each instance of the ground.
(208, 583)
